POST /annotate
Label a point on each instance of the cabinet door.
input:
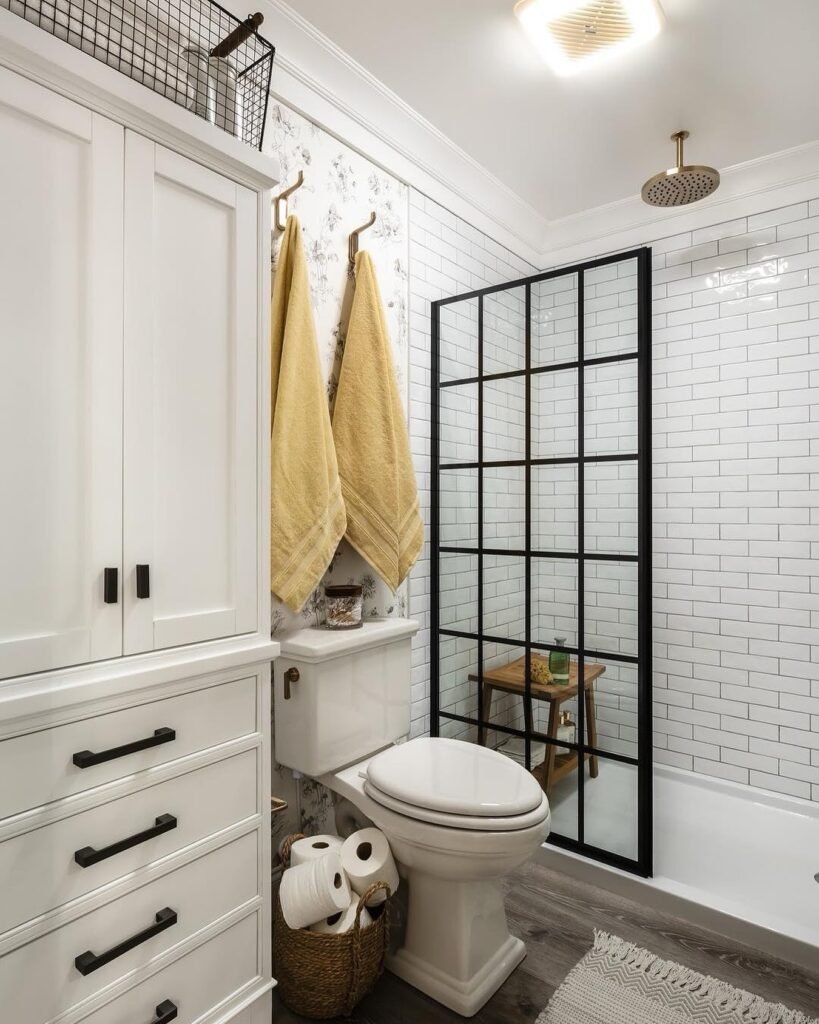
(191, 327)
(60, 379)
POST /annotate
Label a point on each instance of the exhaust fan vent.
(575, 34)
(593, 27)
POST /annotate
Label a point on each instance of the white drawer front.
(40, 980)
(42, 864)
(38, 768)
(195, 983)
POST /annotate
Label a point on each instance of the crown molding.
(755, 186)
(319, 80)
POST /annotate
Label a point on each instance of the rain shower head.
(680, 185)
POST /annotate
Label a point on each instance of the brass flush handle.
(290, 676)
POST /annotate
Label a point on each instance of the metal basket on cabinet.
(192, 52)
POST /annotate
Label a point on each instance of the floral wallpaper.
(341, 188)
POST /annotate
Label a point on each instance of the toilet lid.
(455, 778)
(471, 822)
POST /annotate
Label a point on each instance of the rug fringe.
(750, 1007)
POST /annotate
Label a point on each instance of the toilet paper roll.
(366, 858)
(343, 921)
(314, 891)
(313, 847)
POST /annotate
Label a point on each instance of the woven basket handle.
(286, 845)
(365, 899)
(362, 902)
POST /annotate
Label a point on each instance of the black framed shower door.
(541, 536)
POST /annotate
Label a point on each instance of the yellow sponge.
(540, 671)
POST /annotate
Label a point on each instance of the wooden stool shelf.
(510, 679)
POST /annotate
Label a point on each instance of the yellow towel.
(307, 513)
(370, 430)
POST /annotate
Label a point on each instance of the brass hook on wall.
(280, 203)
(352, 247)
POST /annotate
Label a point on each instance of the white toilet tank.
(341, 695)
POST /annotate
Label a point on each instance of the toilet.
(458, 816)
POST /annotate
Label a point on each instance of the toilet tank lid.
(317, 644)
(456, 777)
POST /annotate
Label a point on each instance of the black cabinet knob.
(165, 1012)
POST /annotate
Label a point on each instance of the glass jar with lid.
(343, 606)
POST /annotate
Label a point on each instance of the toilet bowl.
(465, 816)
(458, 817)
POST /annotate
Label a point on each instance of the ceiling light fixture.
(572, 35)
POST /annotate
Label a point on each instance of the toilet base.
(458, 949)
(465, 998)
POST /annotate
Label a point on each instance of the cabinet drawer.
(38, 768)
(40, 980)
(42, 863)
(195, 984)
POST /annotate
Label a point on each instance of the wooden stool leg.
(591, 729)
(551, 751)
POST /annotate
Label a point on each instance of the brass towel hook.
(352, 248)
(280, 203)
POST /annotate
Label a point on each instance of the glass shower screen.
(541, 541)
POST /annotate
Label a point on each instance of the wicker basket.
(324, 976)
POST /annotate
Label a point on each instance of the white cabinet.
(130, 425)
(134, 431)
(61, 188)
(191, 324)
(166, 846)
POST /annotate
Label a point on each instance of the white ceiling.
(741, 75)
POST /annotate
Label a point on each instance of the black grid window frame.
(643, 862)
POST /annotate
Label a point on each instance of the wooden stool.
(510, 679)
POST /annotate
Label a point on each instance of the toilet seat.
(474, 823)
(455, 784)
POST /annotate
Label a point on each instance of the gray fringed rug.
(618, 983)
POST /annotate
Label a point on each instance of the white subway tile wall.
(736, 458)
(735, 462)
(447, 257)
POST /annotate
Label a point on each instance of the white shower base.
(747, 856)
(747, 852)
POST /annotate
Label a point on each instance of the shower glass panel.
(541, 540)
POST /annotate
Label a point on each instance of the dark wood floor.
(556, 917)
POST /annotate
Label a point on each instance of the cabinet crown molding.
(41, 57)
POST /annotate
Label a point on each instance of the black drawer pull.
(165, 1012)
(88, 855)
(87, 962)
(110, 586)
(86, 758)
(143, 581)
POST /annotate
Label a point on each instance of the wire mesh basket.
(192, 52)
